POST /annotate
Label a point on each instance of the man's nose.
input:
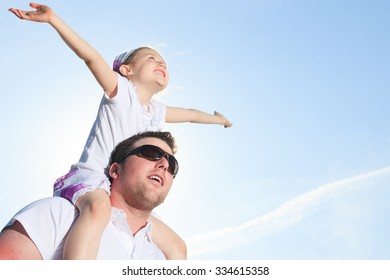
(163, 163)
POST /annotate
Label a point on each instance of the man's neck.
(136, 219)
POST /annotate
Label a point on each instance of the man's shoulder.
(49, 208)
(53, 202)
(47, 222)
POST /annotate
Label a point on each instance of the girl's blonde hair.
(127, 58)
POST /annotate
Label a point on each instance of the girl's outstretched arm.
(179, 115)
(103, 73)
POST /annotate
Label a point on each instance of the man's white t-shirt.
(48, 220)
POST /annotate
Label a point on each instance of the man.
(141, 171)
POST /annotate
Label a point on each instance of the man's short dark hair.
(128, 144)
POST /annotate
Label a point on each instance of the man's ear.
(125, 70)
(114, 170)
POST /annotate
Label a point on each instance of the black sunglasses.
(154, 153)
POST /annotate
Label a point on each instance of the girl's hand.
(41, 14)
(225, 122)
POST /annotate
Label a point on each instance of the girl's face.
(149, 69)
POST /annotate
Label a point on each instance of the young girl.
(127, 107)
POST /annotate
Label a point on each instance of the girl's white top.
(119, 118)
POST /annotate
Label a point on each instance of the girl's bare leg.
(83, 240)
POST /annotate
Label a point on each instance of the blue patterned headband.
(120, 59)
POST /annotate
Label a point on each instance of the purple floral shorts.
(79, 182)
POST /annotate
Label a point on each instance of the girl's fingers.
(35, 5)
(16, 12)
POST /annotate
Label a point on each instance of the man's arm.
(38, 230)
(15, 244)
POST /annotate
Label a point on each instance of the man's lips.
(157, 178)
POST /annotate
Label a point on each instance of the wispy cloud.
(289, 213)
(181, 53)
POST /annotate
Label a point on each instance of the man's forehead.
(154, 141)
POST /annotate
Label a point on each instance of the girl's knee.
(96, 204)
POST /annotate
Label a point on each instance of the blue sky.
(304, 172)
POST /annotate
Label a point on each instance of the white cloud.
(289, 213)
